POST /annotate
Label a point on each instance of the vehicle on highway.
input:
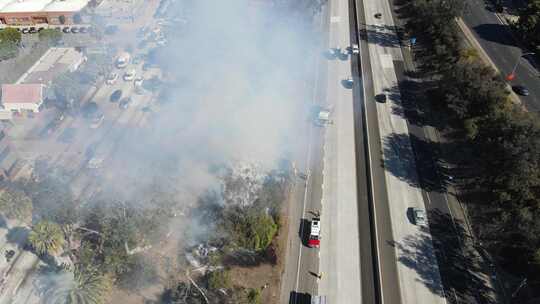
(97, 121)
(332, 53)
(122, 60)
(378, 15)
(353, 49)
(116, 95)
(380, 98)
(521, 90)
(111, 78)
(323, 117)
(94, 162)
(129, 75)
(315, 233)
(348, 82)
(125, 102)
(419, 216)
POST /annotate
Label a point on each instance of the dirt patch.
(266, 276)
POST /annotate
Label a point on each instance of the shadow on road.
(303, 231)
(457, 265)
(495, 33)
(299, 298)
(383, 35)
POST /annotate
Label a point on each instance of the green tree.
(529, 23)
(85, 287)
(46, 238)
(8, 50)
(219, 279)
(254, 296)
(50, 36)
(15, 204)
(62, 19)
(10, 35)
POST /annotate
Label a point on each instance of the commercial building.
(19, 98)
(40, 12)
(53, 63)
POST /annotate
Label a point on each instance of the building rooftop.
(28, 6)
(20, 6)
(53, 63)
(22, 93)
(65, 6)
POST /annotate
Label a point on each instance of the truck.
(315, 233)
(318, 300)
(122, 60)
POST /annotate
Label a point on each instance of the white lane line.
(308, 180)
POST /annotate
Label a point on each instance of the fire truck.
(315, 233)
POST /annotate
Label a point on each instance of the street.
(497, 40)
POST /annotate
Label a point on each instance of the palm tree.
(46, 237)
(79, 287)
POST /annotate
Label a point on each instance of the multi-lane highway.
(370, 251)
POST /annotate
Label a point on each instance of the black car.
(521, 90)
(116, 95)
(66, 30)
(124, 103)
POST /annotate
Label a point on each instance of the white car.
(138, 81)
(129, 75)
(419, 216)
(111, 79)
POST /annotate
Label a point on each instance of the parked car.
(83, 30)
(97, 121)
(74, 30)
(138, 81)
(66, 30)
(521, 90)
(116, 95)
(129, 75)
(111, 79)
(32, 30)
(124, 103)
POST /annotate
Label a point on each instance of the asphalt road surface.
(498, 42)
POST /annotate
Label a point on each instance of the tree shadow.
(399, 159)
(497, 33)
(383, 35)
(18, 235)
(457, 276)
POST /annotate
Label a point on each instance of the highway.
(499, 44)
(370, 250)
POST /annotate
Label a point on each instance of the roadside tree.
(529, 23)
(46, 238)
(15, 204)
(82, 287)
(10, 35)
(50, 36)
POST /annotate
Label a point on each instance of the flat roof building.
(33, 12)
(22, 97)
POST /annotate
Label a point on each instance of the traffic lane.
(368, 261)
(386, 268)
(499, 44)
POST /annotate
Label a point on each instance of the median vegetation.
(495, 144)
